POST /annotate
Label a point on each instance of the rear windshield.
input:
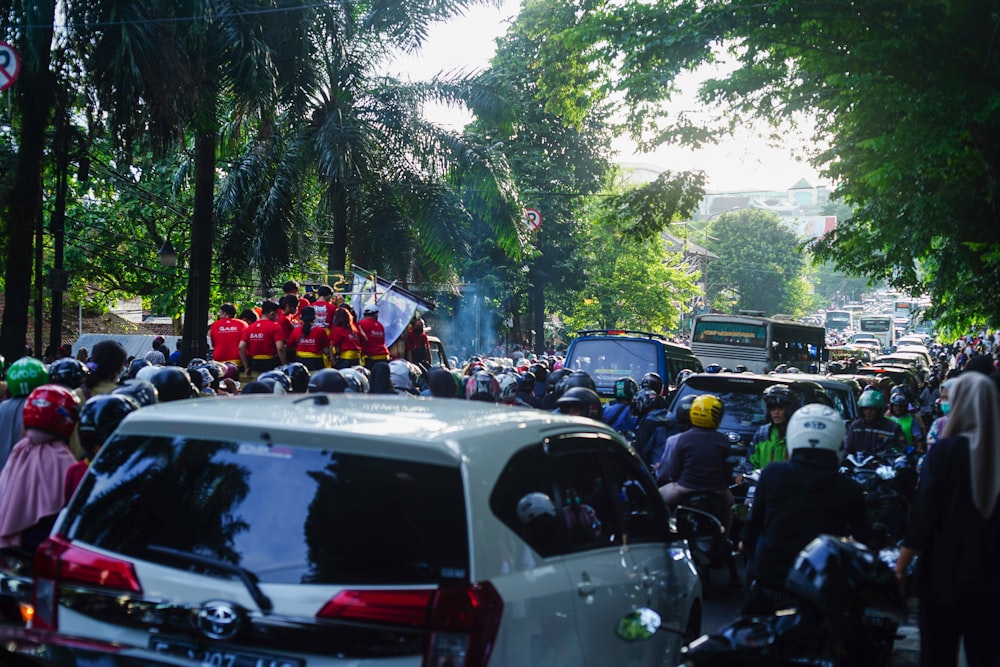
(287, 514)
(606, 360)
(744, 404)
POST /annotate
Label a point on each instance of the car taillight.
(59, 562)
(462, 622)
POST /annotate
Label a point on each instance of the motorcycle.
(842, 607)
(889, 482)
(701, 519)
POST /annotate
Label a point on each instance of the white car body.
(558, 608)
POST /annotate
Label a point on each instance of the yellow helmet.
(706, 411)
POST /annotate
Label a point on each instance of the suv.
(608, 355)
(334, 529)
(741, 394)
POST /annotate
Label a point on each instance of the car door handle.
(585, 587)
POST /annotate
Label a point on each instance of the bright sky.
(745, 162)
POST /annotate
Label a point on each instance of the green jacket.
(767, 446)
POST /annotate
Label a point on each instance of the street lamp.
(166, 254)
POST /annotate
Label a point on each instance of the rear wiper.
(248, 578)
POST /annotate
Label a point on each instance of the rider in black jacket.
(798, 499)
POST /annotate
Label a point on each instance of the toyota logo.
(218, 620)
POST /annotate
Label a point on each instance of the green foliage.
(759, 262)
(904, 98)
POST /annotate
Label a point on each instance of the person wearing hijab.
(955, 528)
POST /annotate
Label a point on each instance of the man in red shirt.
(225, 333)
(263, 345)
(291, 288)
(323, 306)
(288, 307)
(418, 348)
(373, 347)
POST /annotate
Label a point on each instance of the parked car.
(608, 355)
(741, 394)
(332, 529)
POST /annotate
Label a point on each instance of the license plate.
(210, 656)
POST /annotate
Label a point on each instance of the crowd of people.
(54, 417)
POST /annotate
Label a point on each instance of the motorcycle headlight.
(886, 472)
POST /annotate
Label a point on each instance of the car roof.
(439, 430)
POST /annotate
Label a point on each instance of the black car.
(741, 394)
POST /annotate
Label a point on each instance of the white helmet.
(147, 372)
(816, 426)
(400, 374)
(534, 505)
(508, 387)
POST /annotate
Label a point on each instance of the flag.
(396, 306)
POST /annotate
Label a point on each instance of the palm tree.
(163, 71)
(359, 166)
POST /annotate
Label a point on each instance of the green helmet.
(24, 375)
(872, 398)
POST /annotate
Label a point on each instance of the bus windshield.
(730, 333)
(876, 324)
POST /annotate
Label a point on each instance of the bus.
(838, 320)
(879, 327)
(759, 343)
(905, 309)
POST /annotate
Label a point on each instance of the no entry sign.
(10, 65)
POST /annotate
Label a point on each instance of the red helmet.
(52, 408)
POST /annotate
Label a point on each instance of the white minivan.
(333, 529)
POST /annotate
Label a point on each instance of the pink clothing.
(31, 484)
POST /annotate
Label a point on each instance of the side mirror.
(638, 625)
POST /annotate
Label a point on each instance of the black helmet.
(652, 381)
(552, 384)
(575, 379)
(526, 381)
(172, 384)
(100, 416)
(899, 398)
(282, 384)
(740, 368)
(643, 401)
(625, 388)
(781, 395)
(298, 374)
(68, 372)
(540, 371)
(355, 382)
(682, 413)
(326, 380)
(135, 365)
(583, 397)
(142, 392)
(833, 574)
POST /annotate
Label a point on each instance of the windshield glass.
(288, 514)
(606, 359)
(730, 333)
(744, 407)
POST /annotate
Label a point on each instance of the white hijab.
(975, 414)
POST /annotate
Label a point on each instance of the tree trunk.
(195, 336)
(35, 98)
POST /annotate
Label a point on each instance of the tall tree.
(32, 26)
(904, 96)
(164, 70)
(759, 262)
(359, 166)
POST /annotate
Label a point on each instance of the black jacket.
(796, 500)
(958, 549)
